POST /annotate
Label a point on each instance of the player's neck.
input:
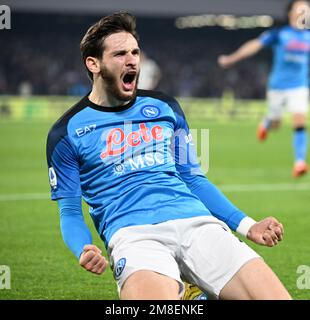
(100, 96)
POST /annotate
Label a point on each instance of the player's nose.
(132, 59)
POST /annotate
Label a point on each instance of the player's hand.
(92, 260)
(267, 232)
(225, 61)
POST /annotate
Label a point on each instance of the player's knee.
(149, 285)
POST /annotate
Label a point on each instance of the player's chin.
(128, 94)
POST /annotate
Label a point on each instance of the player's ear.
(93, 65)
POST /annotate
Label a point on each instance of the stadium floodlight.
(225, 21)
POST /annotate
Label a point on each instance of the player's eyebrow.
(123, 52)
(136, 50)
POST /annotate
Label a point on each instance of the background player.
(128, 153)
(150, 73)
(288, 82)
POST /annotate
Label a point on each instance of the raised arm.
(250, 48)
(247, 50)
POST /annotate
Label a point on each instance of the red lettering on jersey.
(112, 140)
(144, 132)
(298, 45)
(116, 137)
(157, 133)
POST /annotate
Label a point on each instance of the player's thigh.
(212, 256)
(254, 281)
(132, 251)
(298, 102)
(276, 100)
(149, 285)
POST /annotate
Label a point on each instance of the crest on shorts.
(119, 267)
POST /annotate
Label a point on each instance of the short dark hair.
(291, 3)
(92, 43)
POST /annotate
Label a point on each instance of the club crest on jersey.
(120, 266)
(117, 141)
(52, 178)
(150, 111)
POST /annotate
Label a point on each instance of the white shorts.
(200, 250)
(292, 100)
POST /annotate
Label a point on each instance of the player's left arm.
(266, 232)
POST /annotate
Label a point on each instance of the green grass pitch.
(256, 177)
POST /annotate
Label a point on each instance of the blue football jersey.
(125, 162)
(291, 57)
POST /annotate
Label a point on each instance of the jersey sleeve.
(269, 38)
(183, 147)
(63, 166)
(74, 230)
(189, 168)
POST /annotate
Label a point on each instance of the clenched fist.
(92, 260)
(266, 232)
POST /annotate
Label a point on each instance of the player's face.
(299, 14)
(120, 65)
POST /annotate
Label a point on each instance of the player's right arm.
(64, 177)
(248, 49)
(77, 236)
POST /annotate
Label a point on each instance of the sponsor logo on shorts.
(120, 266)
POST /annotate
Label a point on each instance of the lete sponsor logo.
(118, 141)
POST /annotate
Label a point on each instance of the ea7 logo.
(303, 282)
(5, 17)
(87, 129)
(5, 277)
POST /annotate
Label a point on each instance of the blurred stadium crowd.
(40, 56)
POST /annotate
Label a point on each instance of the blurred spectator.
(41, 50)
(149, 73)
(25, 89)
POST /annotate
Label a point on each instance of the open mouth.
(129, 80)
